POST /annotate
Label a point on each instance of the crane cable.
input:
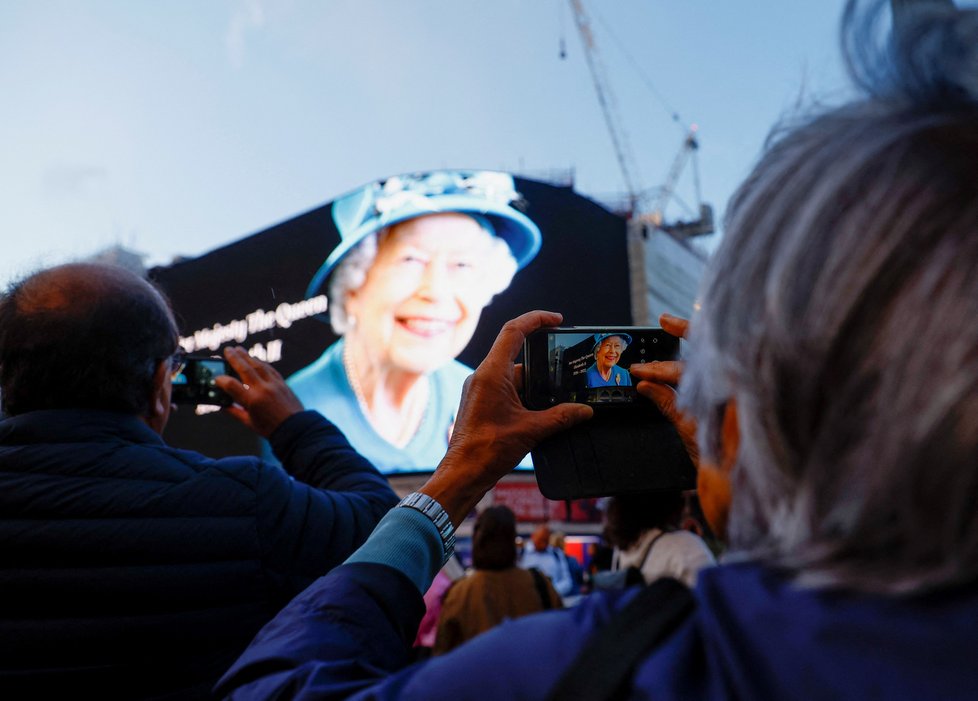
(673, 114)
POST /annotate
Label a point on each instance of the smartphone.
(628, 445)
(589, 364)
(195, 383)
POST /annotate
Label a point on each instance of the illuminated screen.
(590, 365)
(377, 305)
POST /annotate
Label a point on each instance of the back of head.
(839, 313)
(540, 538)
(82, 336)
(630, 515)
(494, 539)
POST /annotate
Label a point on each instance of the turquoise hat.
(489, 194)
(599, 337)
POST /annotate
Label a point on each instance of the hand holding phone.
(251, 390)
(262, 399)
(194, 383)
(629, 445)
(658, 382)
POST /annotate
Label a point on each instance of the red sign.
(524, 499)
(529, 505)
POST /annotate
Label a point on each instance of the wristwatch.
(434, 511)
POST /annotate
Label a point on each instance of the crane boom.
(609, 105)
(690, 144)
(637, 200)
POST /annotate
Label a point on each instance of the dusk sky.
(176, 127)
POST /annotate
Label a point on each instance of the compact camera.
(628, 445)
(195, 382)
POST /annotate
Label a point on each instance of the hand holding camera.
(494, 430)
(262, 400)
(249, 389)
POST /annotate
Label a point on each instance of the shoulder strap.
(648, 548)
(634, 574)
(607, 661)
(541, 586)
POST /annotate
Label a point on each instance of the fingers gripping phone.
(194, 382)
(628, 446)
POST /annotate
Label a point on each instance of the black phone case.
(615, 452)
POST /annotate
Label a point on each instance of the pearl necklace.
(412, 413)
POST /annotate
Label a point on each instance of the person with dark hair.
(132, 569)
(831, 399)
(49, 333)
(497, 589)
(644, 530)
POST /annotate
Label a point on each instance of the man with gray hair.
(132, 569)
(834, 378)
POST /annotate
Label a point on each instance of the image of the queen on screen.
(420, 256)
(605, 371)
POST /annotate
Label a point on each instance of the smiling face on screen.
(424, 292)
(609, 353)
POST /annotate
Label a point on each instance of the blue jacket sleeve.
(312, 523)
(347, 637)
(346, 632)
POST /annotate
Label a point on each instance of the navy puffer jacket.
(130, 569)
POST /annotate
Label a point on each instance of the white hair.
(839, 313)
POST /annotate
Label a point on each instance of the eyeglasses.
(178, 361)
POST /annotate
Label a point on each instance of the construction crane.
(619, 138)
(679, 228)
(609, 105)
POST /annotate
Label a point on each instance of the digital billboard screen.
(376, 306)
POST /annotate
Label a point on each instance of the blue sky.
(175, 127)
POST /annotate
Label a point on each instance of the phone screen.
(195, 383)
(590, 364)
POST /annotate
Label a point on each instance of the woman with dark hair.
(497, 589)
(644, 530)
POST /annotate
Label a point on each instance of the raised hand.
(658, 381)
(262, 399)
(494, 430)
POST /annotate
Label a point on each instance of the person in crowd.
(604, 371)
(644, 530)
(558, 539)
(599, 557)
(539, 554)
(832, 391)
(132, 569)
(496, 590)
(420, 258)
(434, 598)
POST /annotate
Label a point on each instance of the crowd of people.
(829, 401)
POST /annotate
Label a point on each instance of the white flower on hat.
(414, 190)
(493, 186)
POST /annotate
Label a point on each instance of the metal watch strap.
(434, 511)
